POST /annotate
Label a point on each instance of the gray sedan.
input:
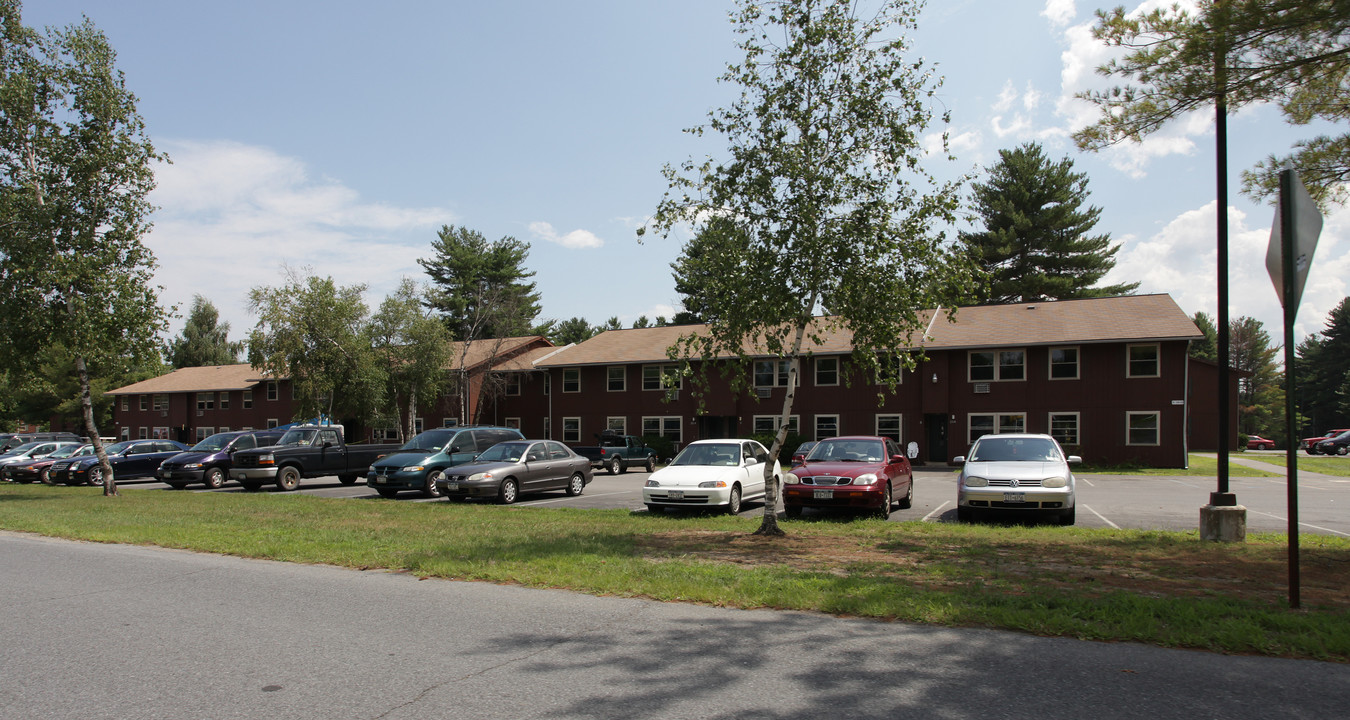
(509, 469)
(1021, 473)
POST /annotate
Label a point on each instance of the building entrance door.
(935, 438)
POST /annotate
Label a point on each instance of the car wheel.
(1312, 451)
(1342, 450)
(615, 466)
(214, 478)
(429, 489)
(387, 492)
(506, 494)
(1270, 446)
(288, 478)
(792, 511)
(177, 485)
(908, 500)
(1067, 517)
(576, 484)
(348, 479)
(651, 463)
(964, 514)
(884, 512)
(46, 476)
(734, 502)
(95, 476)
(654, 508)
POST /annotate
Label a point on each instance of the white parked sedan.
(1016, 473)
(711, 473)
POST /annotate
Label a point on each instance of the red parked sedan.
(857, 472)
(1256, 442)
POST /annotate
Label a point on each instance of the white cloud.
(1059, 12)
(231, 215)
(577, 239)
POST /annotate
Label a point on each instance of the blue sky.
(341, 135)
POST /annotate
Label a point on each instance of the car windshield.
(847, 451)
(996, 449)
(504, 452)
(70, 451)
(429, 441)
(215, 443)
(24, 448)
(297, 437)
(710, 454)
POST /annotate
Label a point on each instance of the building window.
(548, 385)
(827, 426)
(159, 433)
(994, 424)
(271, 423)
(889, 426)
(827, 371)
(125, 434)
(512, 422)
(1064, 363)
(142, 433)
(617, 378)
(548, 428)
(223, 429)
(224, 401)
(248, 399)
(1141, 428)
(203, 433)
(669, 427)
(125, 403)
(449, 422)
(990, 365)
(161, 402)
(1064, 428)
(418, 426)
(145, 403)
(660, 377)
(206, 401)
(513, 383)
(768, 424)
(571, 429)
(1143, 361)
(385, 434)
(271, 390)
(617, 424)
(571, 382)
(771, 373)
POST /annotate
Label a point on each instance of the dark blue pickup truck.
(305, 451)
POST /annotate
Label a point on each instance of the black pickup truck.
(305, 451)
(617, 452)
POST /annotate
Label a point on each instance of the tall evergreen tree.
(573, 330)
(205, 340)
(1035, 243)
(1208, 348)
(1260, 383)
(481, 288)
(1324, 373)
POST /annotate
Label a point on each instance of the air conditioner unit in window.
(981, 387)
(163, 413)
(675, 395)
(763, 392)
(200, 413)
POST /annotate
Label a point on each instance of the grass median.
(1164, 588)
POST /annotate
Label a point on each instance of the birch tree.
(415, 347)
(832, 206)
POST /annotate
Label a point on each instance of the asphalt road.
(1115, 501)
(95, 632)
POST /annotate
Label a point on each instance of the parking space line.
(556, 500)
(1285, 519)
(1102, 518)
(1089, 482)
(936, 510)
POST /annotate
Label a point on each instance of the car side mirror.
(327, 444)
(455, 449)
(958, 459)
(897, 459)
(1074, 459)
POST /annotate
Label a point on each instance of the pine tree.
(481, 288)
(1260, 384)
(205, 340)
(1208, 348)
(1035, 243)
(1324, 373)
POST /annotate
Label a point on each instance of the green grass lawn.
(1200, 465)
(1164, 588)
(1340, 467)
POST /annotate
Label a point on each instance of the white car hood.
(1020, 470)
(691, 475)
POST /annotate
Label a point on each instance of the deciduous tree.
(415, 348)
(827, 182)
(205, 340)
(76, 166)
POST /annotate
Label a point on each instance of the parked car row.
(1310, 445)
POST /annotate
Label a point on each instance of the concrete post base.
(1223, 523)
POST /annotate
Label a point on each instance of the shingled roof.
(1128, 318)
(212, 378)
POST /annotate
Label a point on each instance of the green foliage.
(205, 340)
(1208, 348)
(1035, 244)
(1260, 382)
(1289, 52)
(664, 446)
(480, 286)
(317, 334)
(415, 349)
(1322, 368)
(573, 330)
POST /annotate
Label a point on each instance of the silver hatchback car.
(1016, 473)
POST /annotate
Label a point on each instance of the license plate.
(824, 494)
(1014, 497)
(381, 478)
(675, 494)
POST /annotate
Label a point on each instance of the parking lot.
(1104, 501)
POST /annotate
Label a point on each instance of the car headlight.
(865, 479)
(791, 479)
(1057, 481)
(653, 483)
(974, 481)
(267, 459)
(413, 468)
(712, 484)
(480, 476)
(192, 466)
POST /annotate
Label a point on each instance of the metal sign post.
(1293, 238)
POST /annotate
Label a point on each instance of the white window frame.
(223, 429)
(159, 433)
(1157, 427)
(1077, 427)
(819, 370)
(143, 433)
(1129, 360)
(899, 426)
(610, 372)
(223, 401)
(511, 422)
(206, 401)
(794, 423)
(576, 373)
(999, 425)
(125, 434)
(513, 384)
(419, 424)
(781, 374)
(1077, 363)
(271, 390)
(449, 422)
(667, 376)
(204, 433)
(271, 423)
(664, 423)
(825, 416)
(161, 402)
(126, 403)
(617, 422)
(998, 365)
(145, 402)
(571, 434)
(248, 399)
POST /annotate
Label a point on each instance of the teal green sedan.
(423, 460)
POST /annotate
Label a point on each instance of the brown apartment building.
(1109, 377)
